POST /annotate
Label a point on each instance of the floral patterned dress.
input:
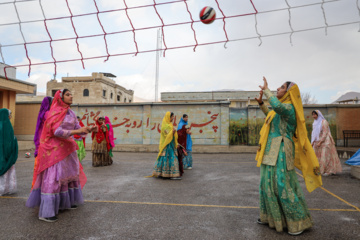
(327, 155)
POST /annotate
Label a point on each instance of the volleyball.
(27, 155)
(207, 15)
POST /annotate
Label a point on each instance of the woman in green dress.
(111, 135)
(167, 164)
(80, 141)
(283, 146)
(8, 154)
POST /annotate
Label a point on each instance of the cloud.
(41, 80)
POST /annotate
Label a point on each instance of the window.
(124, 99)
(240, 104)
(53, 92)
(111, 95)
(86, 93)
(118, 98)
(104, 93)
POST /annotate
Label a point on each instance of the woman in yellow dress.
(167, 163)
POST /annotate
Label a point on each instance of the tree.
(307, 98)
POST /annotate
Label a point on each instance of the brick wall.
(348, 119)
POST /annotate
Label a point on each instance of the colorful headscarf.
(167, 135)
(100, 135)
(182, 136)
(188, 137)
(305, 158)
(8, 142)
(44, 108)
(54, 149)
(111, 132)
(317, 125)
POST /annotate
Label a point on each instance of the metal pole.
(158, 52)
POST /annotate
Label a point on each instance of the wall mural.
(245, 124)
(133, 125)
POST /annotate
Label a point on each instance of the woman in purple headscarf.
(111, 135)
(44, 108)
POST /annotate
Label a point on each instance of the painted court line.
(22, 161)
(188, 205)
(336, 196)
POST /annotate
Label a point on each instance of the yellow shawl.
(166, 135)
(305, 158)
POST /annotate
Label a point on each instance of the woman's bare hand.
(265, 84)
(259, 99)
(83, 130)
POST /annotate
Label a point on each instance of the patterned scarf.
(54, 149)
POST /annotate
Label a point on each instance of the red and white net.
(43, 32)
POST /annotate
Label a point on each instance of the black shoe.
(49, 219)
(260, 222)
(73, 207)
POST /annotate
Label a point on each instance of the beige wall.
(26, 119)
(139, 123)
(233, 104)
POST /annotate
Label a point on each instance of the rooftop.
(348, 97)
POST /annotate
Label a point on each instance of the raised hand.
(259, 99)
(265, 84)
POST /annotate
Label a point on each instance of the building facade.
(238, 99)
(11, 86)
(98, 88)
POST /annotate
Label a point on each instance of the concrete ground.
(218, 199)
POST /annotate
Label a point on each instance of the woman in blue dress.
(167, 164)
(187, 160)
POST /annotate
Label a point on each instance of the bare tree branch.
(307, 98)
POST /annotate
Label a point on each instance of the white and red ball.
(207, 15)
(27, 155)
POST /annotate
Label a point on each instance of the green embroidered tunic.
(282, 129)
(282, 202)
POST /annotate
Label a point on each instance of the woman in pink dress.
(324, 145)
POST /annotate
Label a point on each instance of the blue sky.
(324, 65)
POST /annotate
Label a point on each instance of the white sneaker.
(176, 178)
(189, 168)
(50, 219)
(296, 233)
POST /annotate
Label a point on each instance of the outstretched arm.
(263, 107)
(63, 133)
(278, 107)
